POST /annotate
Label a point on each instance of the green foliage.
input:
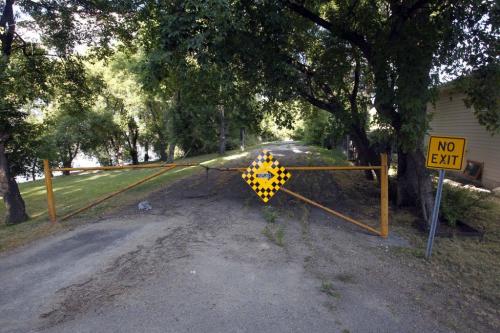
(321, 128)
(382, 139)
(183, 72)
(270, 214)
(24, 148)
(458, 203)
(316, 129)
(67, 135)
(327, 288)
(24, 85)
(275, 233)
(69, 120)
(483, 93)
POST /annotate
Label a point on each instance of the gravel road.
(206, 258)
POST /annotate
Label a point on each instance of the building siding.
(451, 117)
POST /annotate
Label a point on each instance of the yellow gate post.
(50, 193)
(384, 197)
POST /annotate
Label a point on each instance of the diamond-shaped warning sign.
(265, 175)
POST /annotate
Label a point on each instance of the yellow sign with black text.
(446, 152)
(266, 176)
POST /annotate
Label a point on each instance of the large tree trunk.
(366, 154)
(14, 203)
(222, 132)
(146, 154)
(414, 187)
(132, 137)
(33, 169)
(117, 150)
(71, 154)
(162, 147)
(242, 138)
(134, 155)
(171, 152)
(68, 155)
(66, 164)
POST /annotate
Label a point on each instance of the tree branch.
(354, 94)
(349, 35)
(319, 103)
(8, 22)
(401, 13)
(309, 73)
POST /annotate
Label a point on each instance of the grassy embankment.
(75, 191)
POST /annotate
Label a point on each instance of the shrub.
(459, 203)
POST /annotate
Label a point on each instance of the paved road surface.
(199, 262)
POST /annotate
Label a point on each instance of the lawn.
(75, 191)
(471, 264)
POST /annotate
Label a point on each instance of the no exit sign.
(446, 152)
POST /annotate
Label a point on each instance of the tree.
(156, 118)
(25, 148)
(192, 106)
(481, 88)
(22, 79)
(68, 135)
(396, 44)
(401, 42)
(179, 61)
(107, 136)
(69, 119)
(25, 65)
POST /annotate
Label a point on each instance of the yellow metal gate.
(382, 168)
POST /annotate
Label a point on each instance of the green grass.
(275, 233)
(75, 191)
(469, 262)
(328, 289)
(332, 157)
(270, 214)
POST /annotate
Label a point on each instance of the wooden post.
(50, 193)
(384, 197)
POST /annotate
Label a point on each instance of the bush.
(458, 203)
(320, 128)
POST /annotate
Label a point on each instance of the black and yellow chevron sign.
(265, 175)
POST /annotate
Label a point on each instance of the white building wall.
(451, 117)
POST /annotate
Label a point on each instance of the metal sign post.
(444, 152)
(435, 214)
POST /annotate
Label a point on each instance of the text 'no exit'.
(446, 153)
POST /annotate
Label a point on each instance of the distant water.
(83, 160)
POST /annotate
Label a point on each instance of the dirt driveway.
(210, 258)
